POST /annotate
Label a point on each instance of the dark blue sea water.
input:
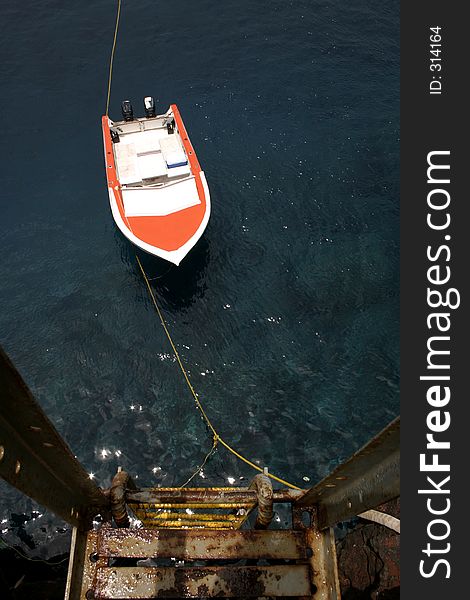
(285, 314)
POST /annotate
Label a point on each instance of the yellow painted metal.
(157, 520)
(183, 524)
(191, 517)
(224, 515)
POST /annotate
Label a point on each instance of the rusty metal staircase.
(200, 576)
(198, 562)
(191, 546)
(188, 542)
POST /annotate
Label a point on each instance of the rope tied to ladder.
(216, 437)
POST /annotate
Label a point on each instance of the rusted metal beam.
(197, 545)
(322, 554)
(81, 572)
(183, 506)
(161, 496)
(369, 478)
(145, 583)
(35, 459)
(323, 564)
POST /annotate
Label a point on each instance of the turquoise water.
(285, 314)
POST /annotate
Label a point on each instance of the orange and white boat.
(158, 193)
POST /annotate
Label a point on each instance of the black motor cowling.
(127, 111)
(149, 105)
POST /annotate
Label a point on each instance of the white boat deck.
(140, 202)
(154, 173)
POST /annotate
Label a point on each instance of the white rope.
(382, 519)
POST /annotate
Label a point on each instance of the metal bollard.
(264, 492)
(117, 494)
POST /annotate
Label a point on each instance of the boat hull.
(169, 236)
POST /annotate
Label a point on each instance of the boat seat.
(150, 161)
(160, 201)
(126, 163)
(148, 141)
(173, 152)
(151, 164)
(178, 171)
(148, 155)
(133, 166)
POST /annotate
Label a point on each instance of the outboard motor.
(127, 111)
(149, 106)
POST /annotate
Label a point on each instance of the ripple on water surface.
(285, 314)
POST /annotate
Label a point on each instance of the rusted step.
(176, 519)
(103, 564)
(177, 508)
(185, 496)
(187, 507)
(146, 583)
(194, 545)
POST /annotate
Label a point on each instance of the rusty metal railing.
(35, 459)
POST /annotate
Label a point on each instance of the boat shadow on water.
(177, 286)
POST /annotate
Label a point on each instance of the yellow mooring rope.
(110, 76)
(217, 437)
